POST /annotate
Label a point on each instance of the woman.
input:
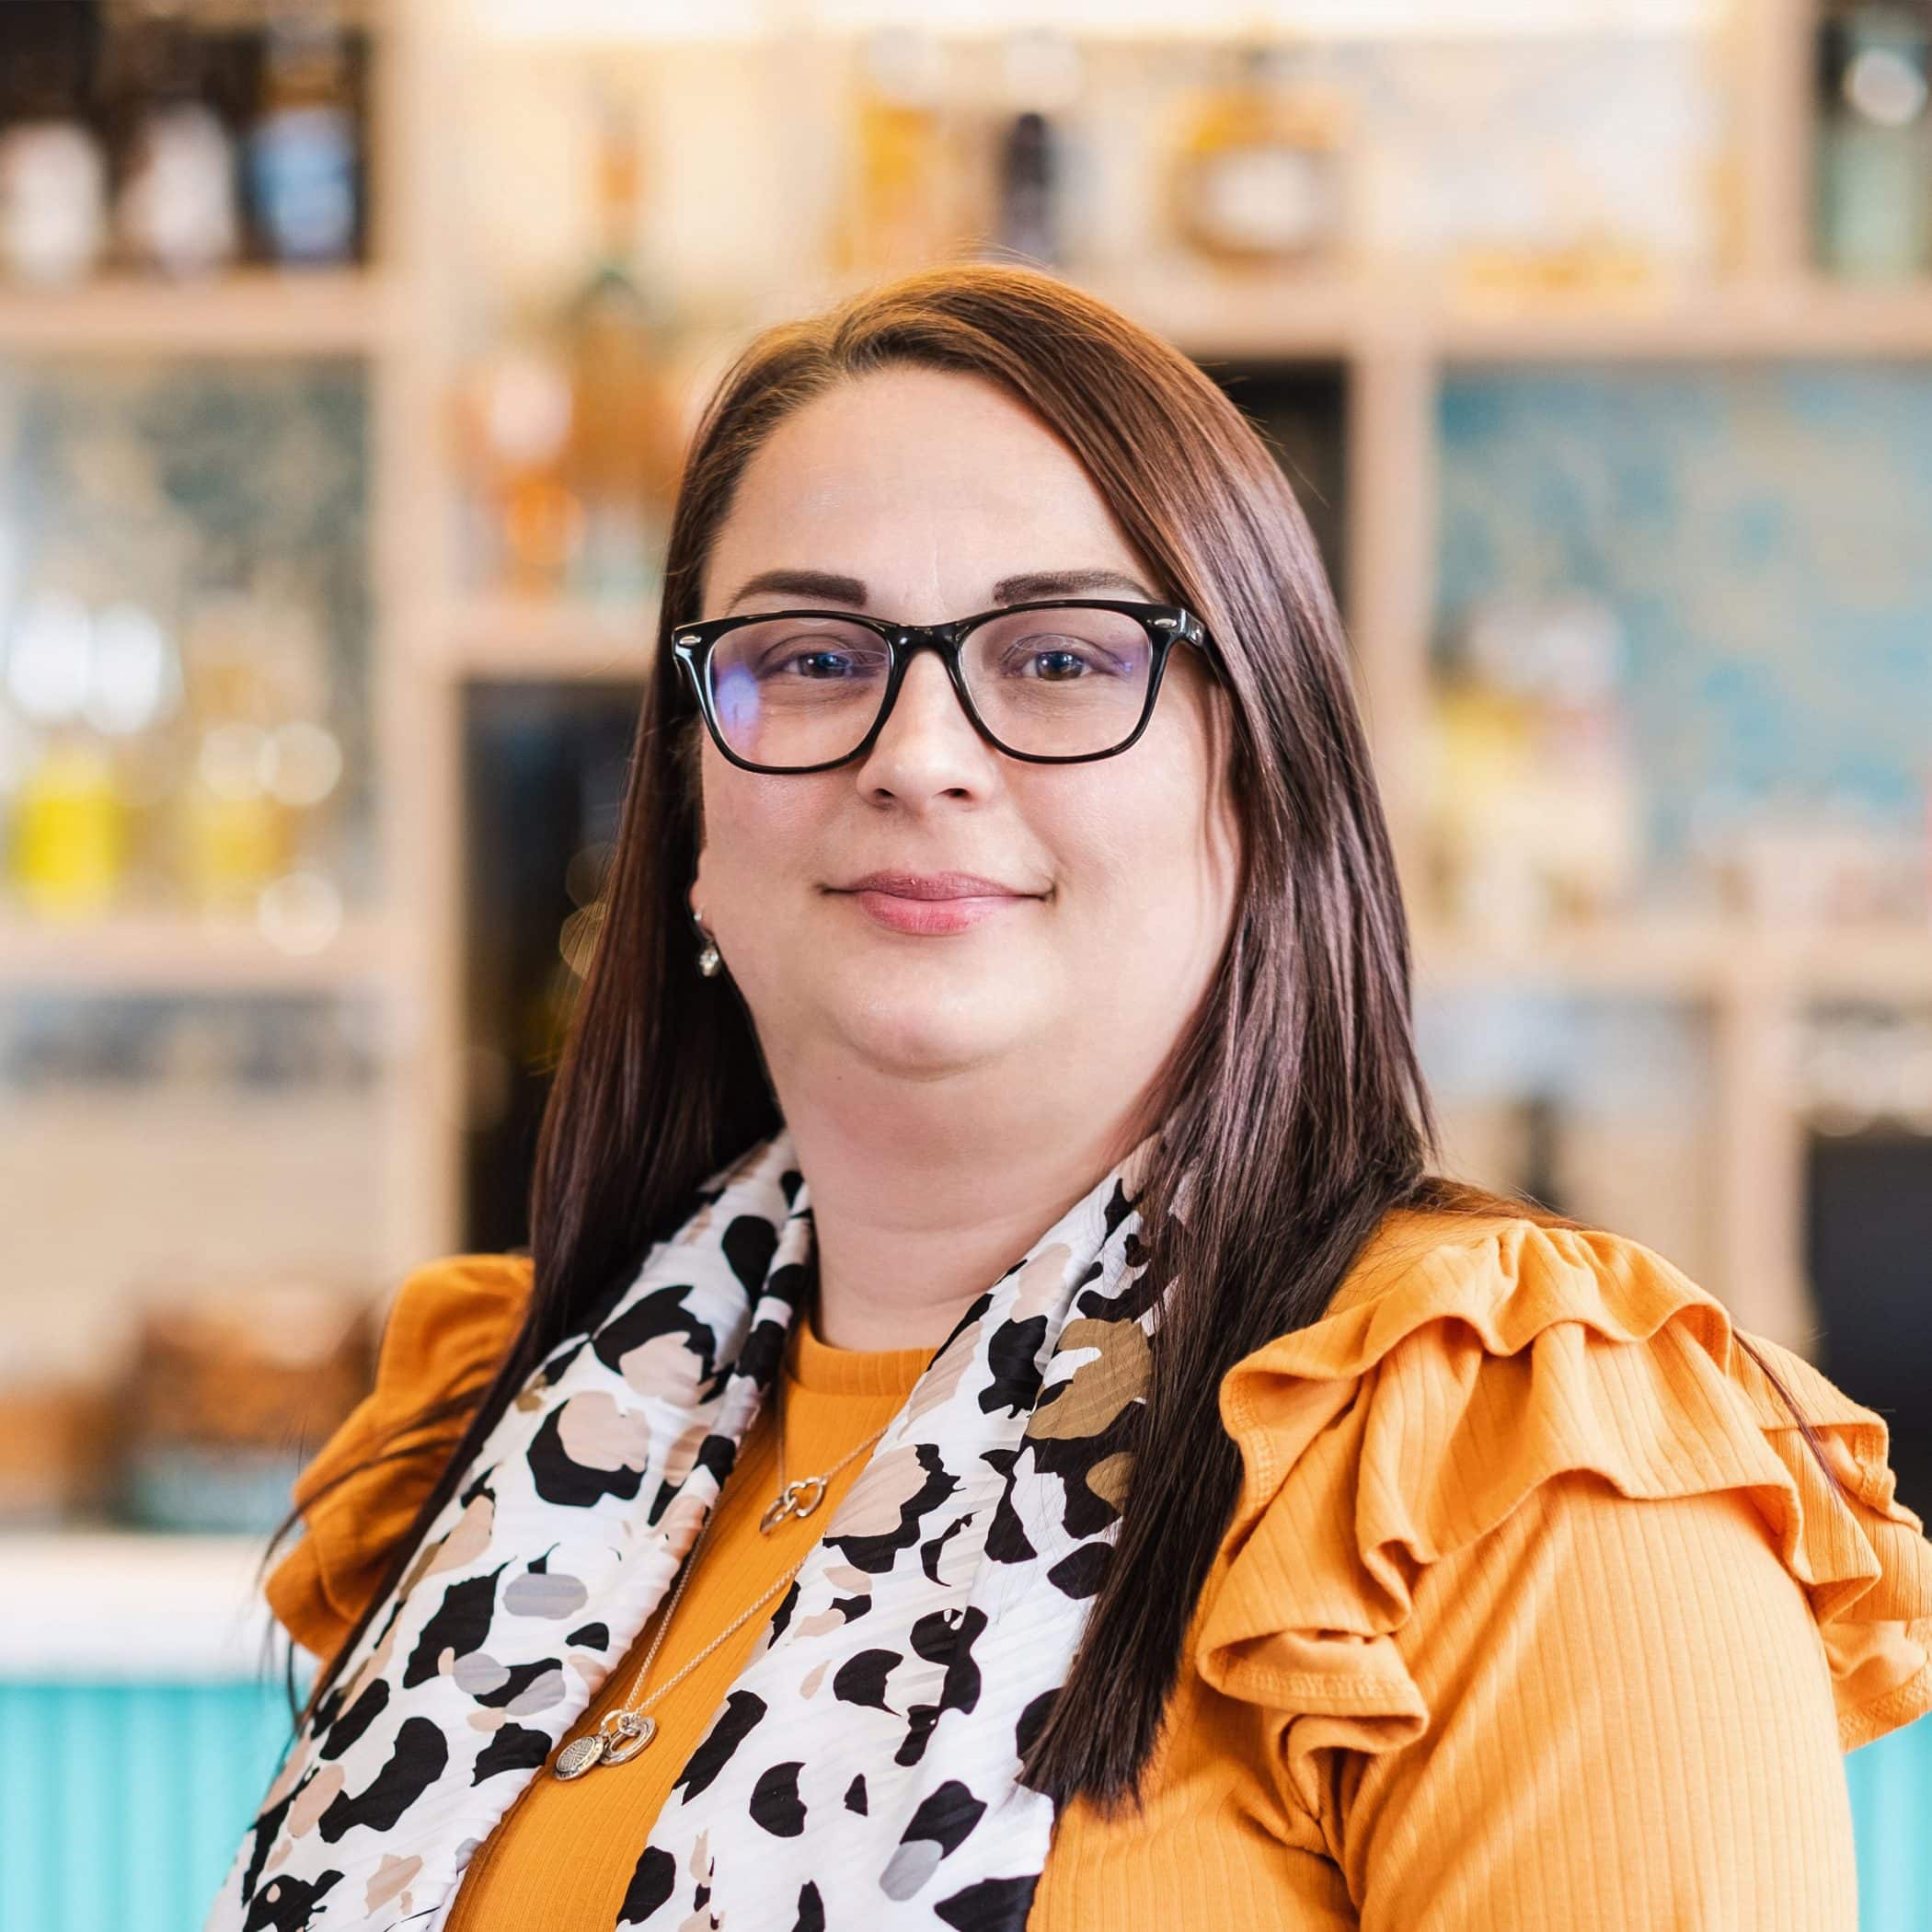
(998, 1424)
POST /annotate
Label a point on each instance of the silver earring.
(708, 958)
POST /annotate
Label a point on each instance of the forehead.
(908, 471)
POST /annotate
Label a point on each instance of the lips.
(935, 885)
(932, 904)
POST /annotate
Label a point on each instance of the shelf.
(122, 1606)
(1275, 314)
(1690, 960)
(610, 24)
(158, 954)
(1858, 963)
(509, 639)
(1258, 316)
(1803, 318)
(250, 311)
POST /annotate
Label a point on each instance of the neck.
(916, 1210)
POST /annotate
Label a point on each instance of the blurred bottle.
(1481, 749)
(175, 207)
(231, 834)
(302, 150)
(253, 813)
(68, 850)
(1874, 181)
(1042, 76)
(302, 765)
(1258, 176)
(624, 447)
(898, 213)
(53, 173)
(512, 419)
(133, 696)
(1026, 224)
(1537, 812)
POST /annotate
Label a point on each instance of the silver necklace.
(802, 1497)
(623, 1733)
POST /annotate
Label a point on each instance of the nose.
(927, 747)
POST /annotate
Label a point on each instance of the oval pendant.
(640, 1733)
(577, 1758)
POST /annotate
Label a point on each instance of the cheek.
(1135, 847)
(757, 828)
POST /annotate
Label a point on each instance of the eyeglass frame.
(1166, 624)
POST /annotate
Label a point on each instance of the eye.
(1058, 663)
(1056, 660)
(819, 664)
(804, 652)
(1089, 646)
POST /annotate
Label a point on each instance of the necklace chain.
(801, 1498)
(623, 1733)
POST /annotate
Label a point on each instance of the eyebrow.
(1025, 588)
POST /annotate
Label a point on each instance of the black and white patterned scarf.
(861, 1770)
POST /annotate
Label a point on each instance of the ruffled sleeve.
(449, 1325)
(1441, 1465)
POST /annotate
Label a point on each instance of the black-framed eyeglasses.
(1057, 681)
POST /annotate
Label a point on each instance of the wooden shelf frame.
(1394, 336)
(250, 312)
(1365, 317)
(133, 954)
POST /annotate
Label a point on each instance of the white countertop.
(119, 1605)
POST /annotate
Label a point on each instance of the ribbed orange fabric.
(1535, 1611)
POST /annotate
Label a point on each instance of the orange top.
(1535, 1610)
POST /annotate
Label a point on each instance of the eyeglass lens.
(1063, 683)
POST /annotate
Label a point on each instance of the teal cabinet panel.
(1890, 1785)
(122, 1805)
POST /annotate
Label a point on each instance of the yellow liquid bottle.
(70, 834)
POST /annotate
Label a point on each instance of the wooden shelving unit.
(171, 955)
(1395, 338)
(254, 312)
(1708, 961)
(1351, 318)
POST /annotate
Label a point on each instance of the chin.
(901, 1029)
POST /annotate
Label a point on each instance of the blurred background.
(346, 353)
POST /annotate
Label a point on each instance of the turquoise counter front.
(124, 1790)
(121, 1804)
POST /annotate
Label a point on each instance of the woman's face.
(927, 489)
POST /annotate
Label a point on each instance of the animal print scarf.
(959, 1570)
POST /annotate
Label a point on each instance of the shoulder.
(449, 1318)
(447, 1327)
(1467, 1362)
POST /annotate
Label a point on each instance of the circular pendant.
(577, 1758)
(639, 1732)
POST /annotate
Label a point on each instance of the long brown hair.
(1295, 1093)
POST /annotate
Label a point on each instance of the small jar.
(1874, 185)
